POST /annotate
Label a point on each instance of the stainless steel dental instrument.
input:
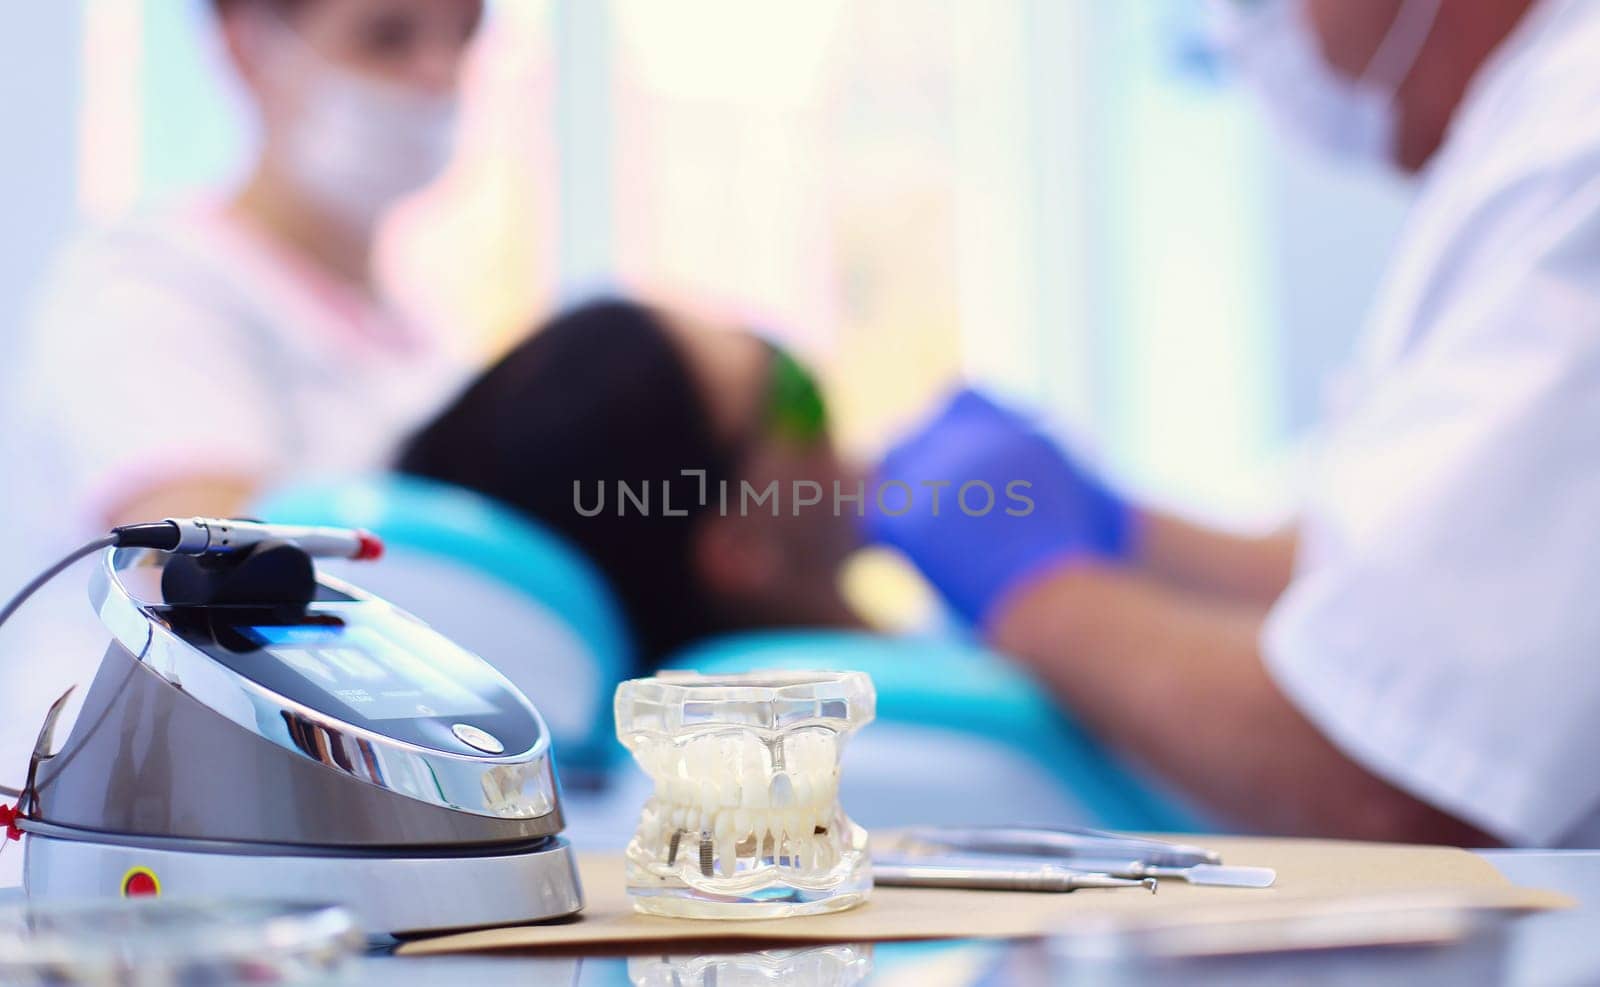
(1046, 877)
(1061, 844)
(1206, 875)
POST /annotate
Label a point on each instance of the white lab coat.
(1444, 625)
(180, 344)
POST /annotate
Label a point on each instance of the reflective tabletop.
(1548, 948)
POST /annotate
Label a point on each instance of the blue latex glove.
(974, 561)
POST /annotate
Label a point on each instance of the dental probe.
(1046, 878)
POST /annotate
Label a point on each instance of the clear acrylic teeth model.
(745, 821)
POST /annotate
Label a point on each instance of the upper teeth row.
(741, 750)
(745, 770)
(709, 795)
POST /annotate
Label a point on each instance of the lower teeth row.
(717, 845)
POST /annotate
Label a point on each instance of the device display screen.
(365, 671)
(363, 663)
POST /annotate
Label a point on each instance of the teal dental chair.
(961, 735)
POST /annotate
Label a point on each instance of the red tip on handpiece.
(371, 546)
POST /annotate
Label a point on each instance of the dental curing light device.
(258, 730)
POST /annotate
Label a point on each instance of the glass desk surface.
(1547, 948)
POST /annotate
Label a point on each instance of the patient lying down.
(691, 463)
(675, 455)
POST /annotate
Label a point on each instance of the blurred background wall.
(41, 96)
(1068, 201)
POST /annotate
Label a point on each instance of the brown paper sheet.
(1310, 873)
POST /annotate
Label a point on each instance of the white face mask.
(1276, 45)
(356, 146)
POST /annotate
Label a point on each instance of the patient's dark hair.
(597, 395)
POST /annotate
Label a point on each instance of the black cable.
(37, 583)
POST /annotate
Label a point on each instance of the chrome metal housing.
(515, 785)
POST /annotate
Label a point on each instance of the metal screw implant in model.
(745, 821)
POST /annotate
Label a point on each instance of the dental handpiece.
(207, 536)
(221, 536)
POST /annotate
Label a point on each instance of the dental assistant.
(1419, 658)
(180, 360)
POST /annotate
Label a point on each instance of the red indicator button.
(140, 882)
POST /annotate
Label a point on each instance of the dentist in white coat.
(1419, 657)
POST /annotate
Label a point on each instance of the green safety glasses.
(795, 411)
